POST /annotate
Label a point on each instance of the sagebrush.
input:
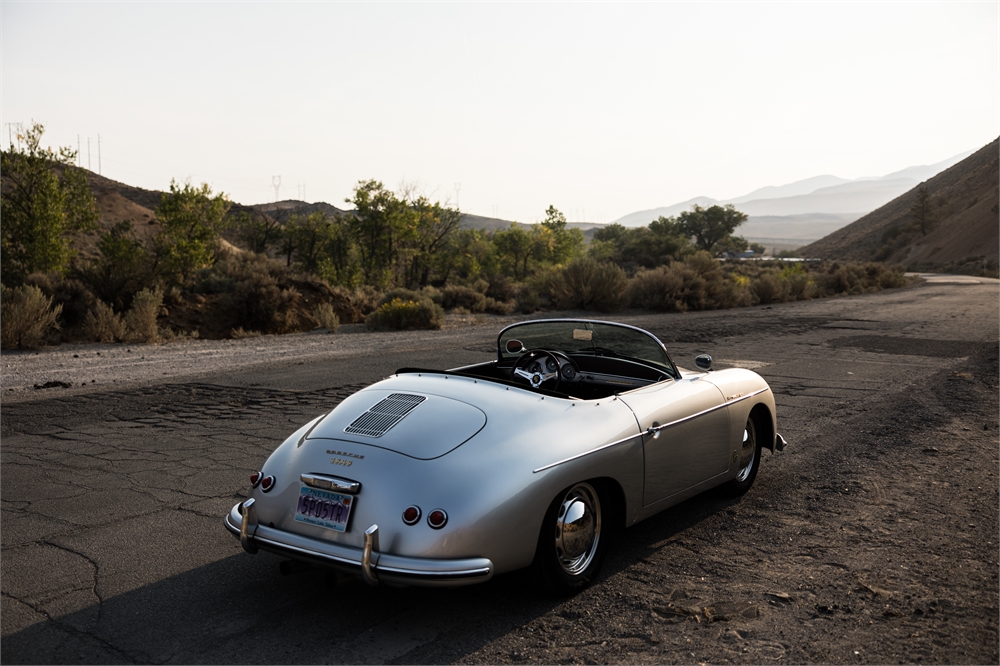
(27, 317)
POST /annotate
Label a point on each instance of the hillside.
(966, 200)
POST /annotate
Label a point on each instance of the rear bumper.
(390, 569)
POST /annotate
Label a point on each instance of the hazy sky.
(600, 109)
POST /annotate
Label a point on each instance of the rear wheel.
(571, 544)
(748, 461)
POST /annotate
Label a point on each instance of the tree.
(192, 220)
(641, 247)
(435, 224)
(258, 230)
(709, 226)
(310, 237)
(514, 248)
(378, 224)
(566, 244)
(42, 198)
(922, 211)
(121, 271)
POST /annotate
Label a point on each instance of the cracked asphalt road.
(873, 538)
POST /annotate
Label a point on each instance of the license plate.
(323, 508)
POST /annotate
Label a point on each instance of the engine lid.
(420, 425)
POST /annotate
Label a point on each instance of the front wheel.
(571, 544)
(748, 461)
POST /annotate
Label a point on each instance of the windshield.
(583, 337)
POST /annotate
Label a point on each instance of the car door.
(693, 447)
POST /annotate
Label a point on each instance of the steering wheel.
(541, 366)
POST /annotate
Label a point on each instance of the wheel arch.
(614, 495)
(763, 420)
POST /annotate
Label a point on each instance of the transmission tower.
(458, 189)
(276, 181)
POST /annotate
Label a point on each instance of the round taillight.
(267, 483)
(255, 479)
(437, 518)
(411, 515)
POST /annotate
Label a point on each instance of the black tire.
(569, 554)
(748, 461)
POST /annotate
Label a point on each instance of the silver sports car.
(449, 477)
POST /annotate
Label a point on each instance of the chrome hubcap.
(747, 452)
(578, 528)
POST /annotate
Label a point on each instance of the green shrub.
(463, 297)
(27, 316)
(103, 324)
(214, 283)
(768, 287)
(140, 320)
(326, 317)
(400, 315)
(587, 284)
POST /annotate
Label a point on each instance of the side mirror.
(704, 361)
(514, 347)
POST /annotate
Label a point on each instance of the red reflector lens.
(255, 479)
(411, 515)
(437, 518)
(267, 483)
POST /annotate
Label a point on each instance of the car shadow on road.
(240, 609)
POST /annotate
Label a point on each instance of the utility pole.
(276, 181)
(18, 128)
(458, 201)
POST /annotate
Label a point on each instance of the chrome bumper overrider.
(369, 563)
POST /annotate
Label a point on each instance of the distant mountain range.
(808, 209)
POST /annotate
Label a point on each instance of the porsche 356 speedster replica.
(534, 459)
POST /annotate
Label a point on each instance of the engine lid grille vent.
(384, 414)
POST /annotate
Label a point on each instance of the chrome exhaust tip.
(779, 443)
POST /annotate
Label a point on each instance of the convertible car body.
(449, 477)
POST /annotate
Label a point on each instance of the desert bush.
(140, 320)
(501, 288)
(587, 284)
(326, 317)
(529, 300)
(768, 287)
(399, 315)
(27, 316)
(657, 289)
(261, 305)
(73, 295)
(493, 306)
(463, 297)
(366, 298)
(103, 324)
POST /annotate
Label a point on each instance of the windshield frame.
(504, 358)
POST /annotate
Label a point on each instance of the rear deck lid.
(419, 425)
